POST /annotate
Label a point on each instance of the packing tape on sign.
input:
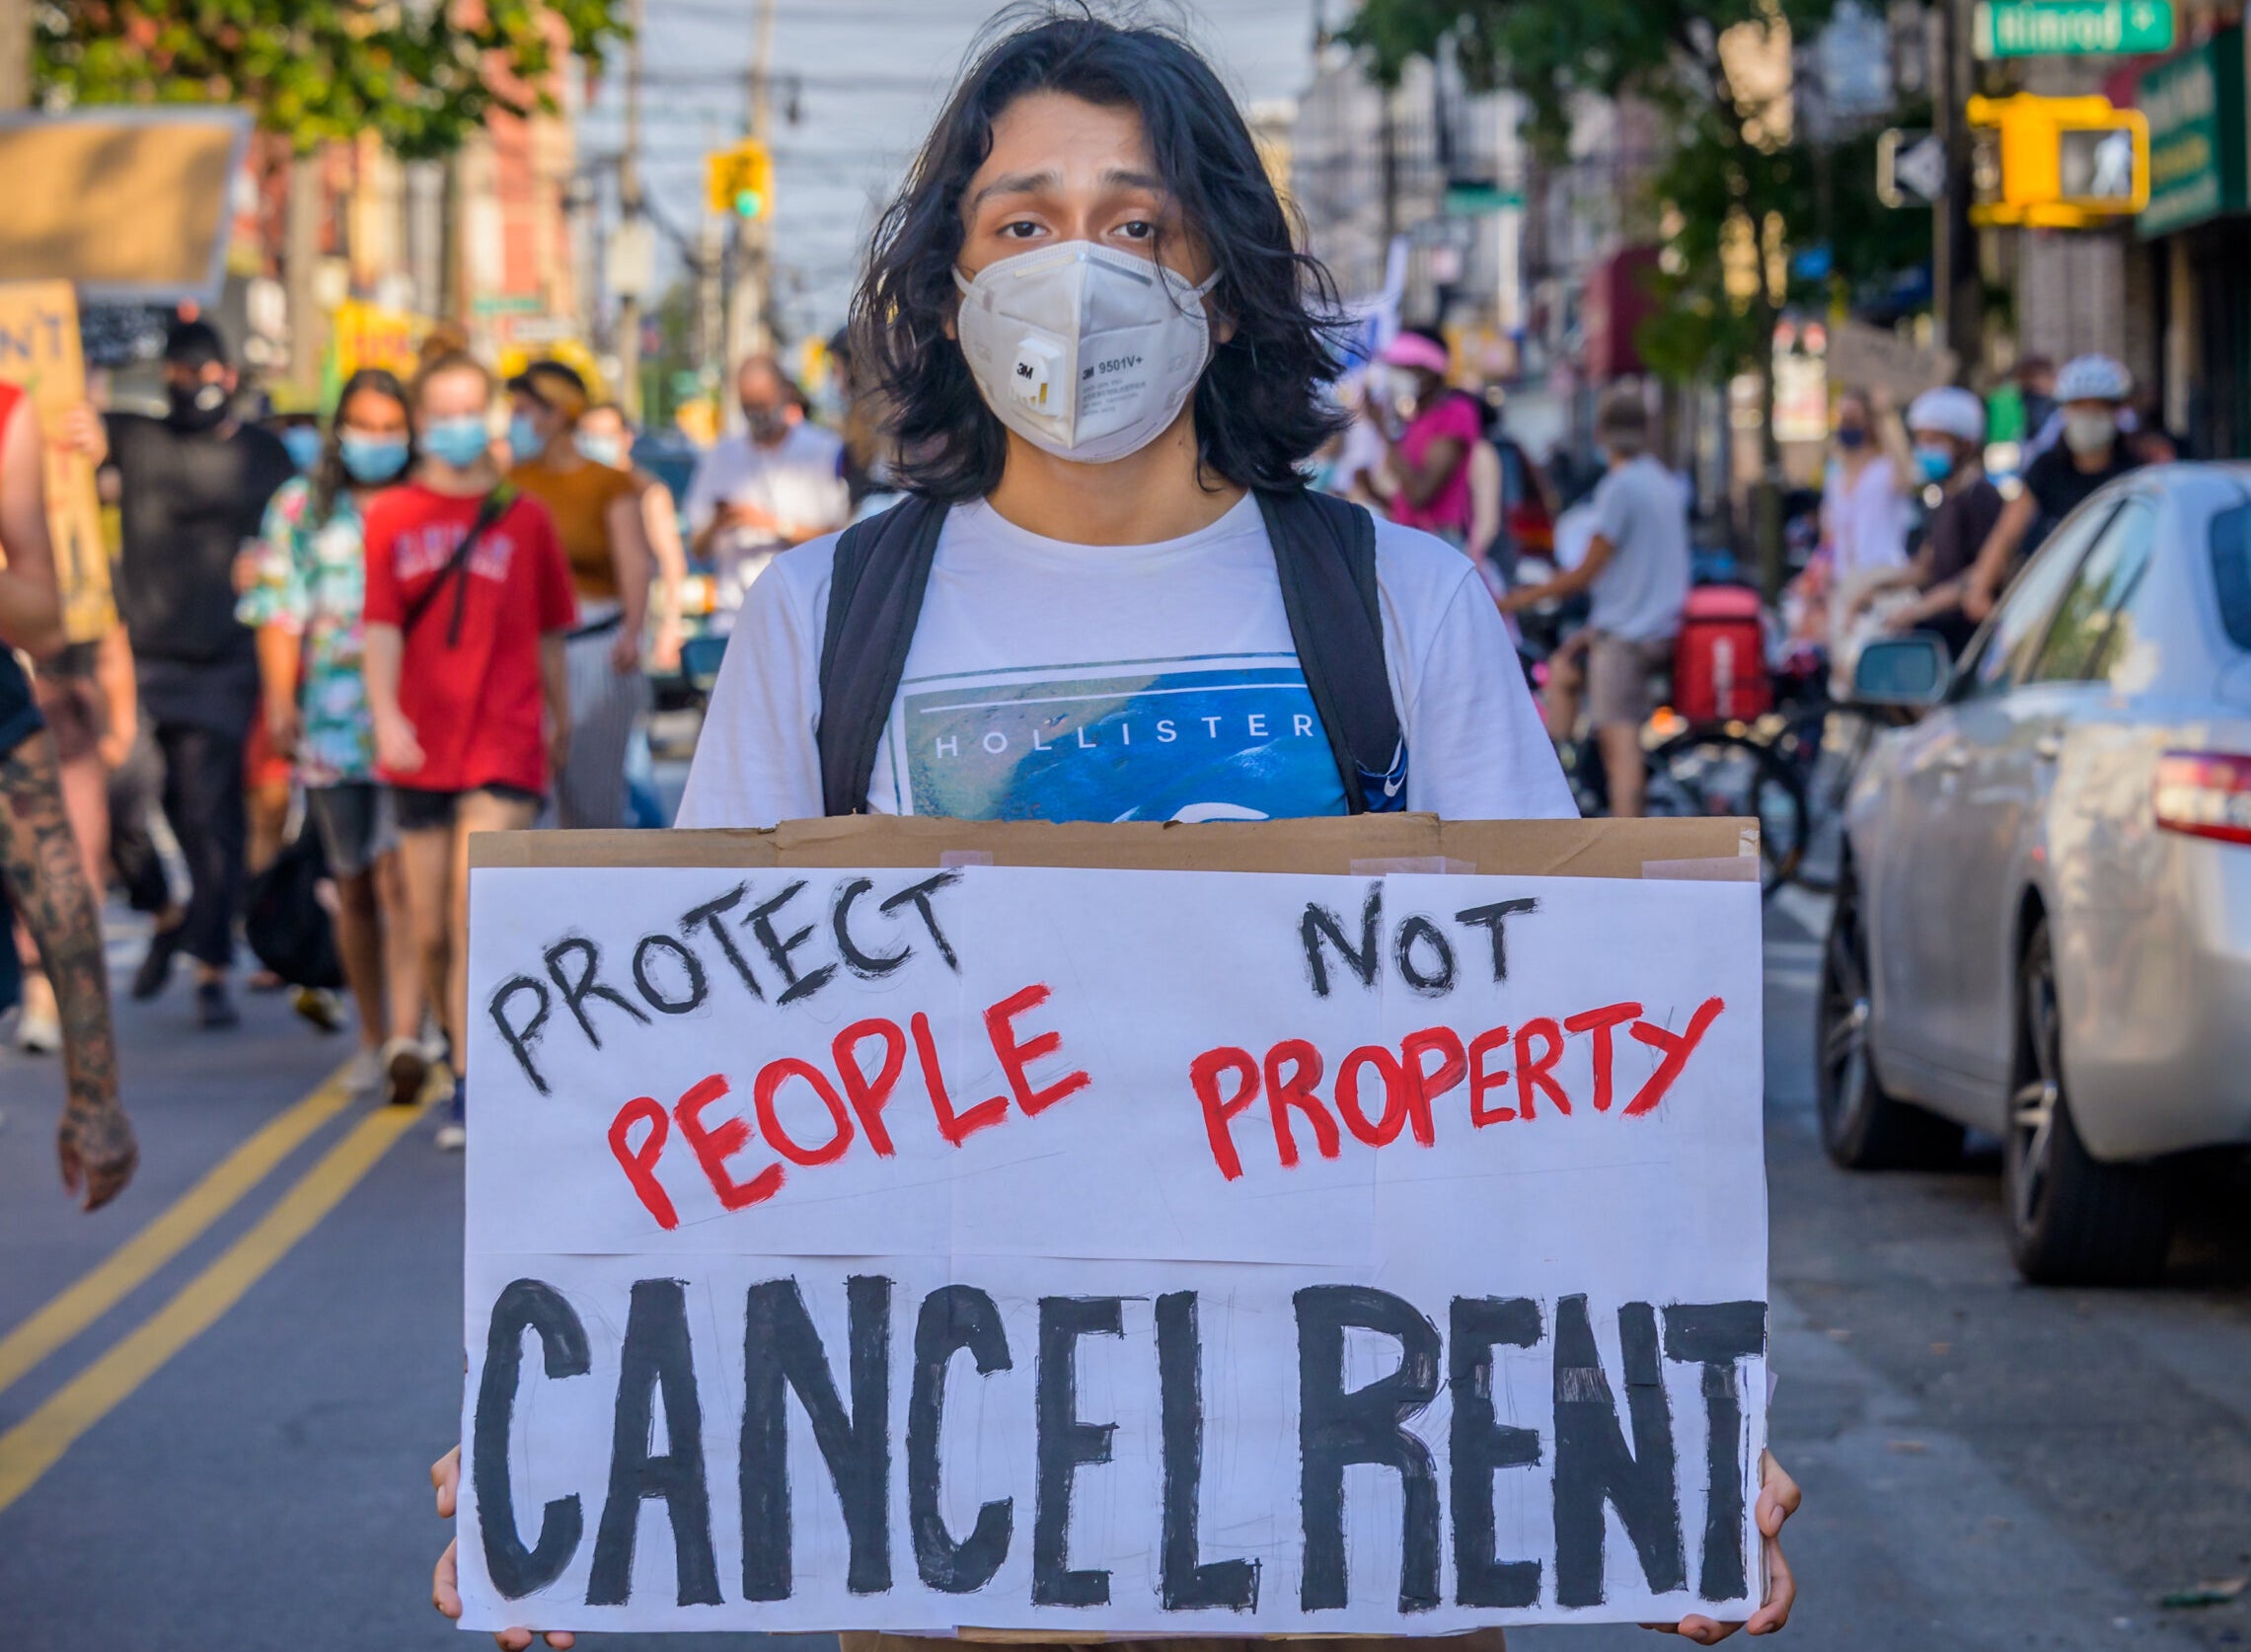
(1431, 866)
(1729, 869)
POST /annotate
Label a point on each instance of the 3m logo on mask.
(1085, 351)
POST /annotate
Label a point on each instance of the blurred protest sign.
(1871, 359)
(133, 206)
(1104, 1224)
(40, 352)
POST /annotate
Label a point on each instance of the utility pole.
(1958, 286)
(630, 216)
(749, 333)
(15, 54)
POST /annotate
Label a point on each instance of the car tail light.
(2204, 793)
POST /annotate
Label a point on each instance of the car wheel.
(1861, 1127)
(2072, 1219)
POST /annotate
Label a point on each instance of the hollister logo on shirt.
(1154, 740)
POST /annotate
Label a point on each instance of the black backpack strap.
(1324, 553)
(456, 571)
(876, 596)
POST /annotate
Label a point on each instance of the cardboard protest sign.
(40, 352)
(1039, 1248)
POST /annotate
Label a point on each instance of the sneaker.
(38, 1034)
(452, 1134)
(364, 1077)
(156, 968)
(320, 1006)
(405, 1069)
(214, 1009)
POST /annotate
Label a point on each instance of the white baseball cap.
(1949, 411)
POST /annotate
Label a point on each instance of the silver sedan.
(2043, 928)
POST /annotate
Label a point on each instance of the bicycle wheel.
(1702, 772)
(1820, 747)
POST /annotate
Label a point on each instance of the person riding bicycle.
(1636, 570)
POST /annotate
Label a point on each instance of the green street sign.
(1476, 200)
(2072, 28)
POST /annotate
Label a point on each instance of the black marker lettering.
(588, 985)
(521, 1039)
(1482, 1445)
(1064, 1442)
(709, 913)
(526, 1305)
(1320, 921)
(656, 1357)
(697, 988)
(1719, 1336)
(919, 894)
(1495, 918)
(1185, 1582)
(1336, 1429)
(761, 922)
(1440, 981)
(783, 1351)
(953, 1317)
(868, 966)
(1593, 1466)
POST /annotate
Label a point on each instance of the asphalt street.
(219, 1397)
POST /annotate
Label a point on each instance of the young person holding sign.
(1109, 596)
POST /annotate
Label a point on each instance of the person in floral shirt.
(305, 603)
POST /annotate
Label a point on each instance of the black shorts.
(19, 716)
(418, 810)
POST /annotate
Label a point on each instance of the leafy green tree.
(421, 74)
(1738, 187)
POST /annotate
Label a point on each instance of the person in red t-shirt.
(468, 600)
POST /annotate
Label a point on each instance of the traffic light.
(2063, 163)
(740, 180)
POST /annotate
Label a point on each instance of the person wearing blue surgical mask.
(1946, 428)
(308, 586)
(606, 436)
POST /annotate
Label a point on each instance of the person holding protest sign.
(1109, 596)
(306, 600)
(468, 600)
(41, 874)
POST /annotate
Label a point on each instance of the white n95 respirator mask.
(1086, 352)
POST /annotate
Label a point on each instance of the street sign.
(2070, 27)
(1478, 197)
(1911, 168)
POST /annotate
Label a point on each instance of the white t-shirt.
(1639, 593)
(795, 481)
(1056, 681)
(1868, 520)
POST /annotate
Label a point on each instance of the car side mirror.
(1909, 672)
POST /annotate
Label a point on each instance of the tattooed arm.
(46, 881)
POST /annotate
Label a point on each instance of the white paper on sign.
(1142, 1252)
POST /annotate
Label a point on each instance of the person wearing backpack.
(1109, 596)
(467, 601)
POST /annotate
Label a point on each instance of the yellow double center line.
(33, 1446)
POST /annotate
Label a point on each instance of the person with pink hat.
(1424, 480)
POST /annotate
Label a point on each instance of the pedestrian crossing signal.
(2064, 162)
(740, 180)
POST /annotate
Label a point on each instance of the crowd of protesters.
(356, 640)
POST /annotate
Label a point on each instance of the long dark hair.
(1258, 408)
(330, 478)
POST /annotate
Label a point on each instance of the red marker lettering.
(1674, 1049)
(714, 1148)
(1296, 1091)
(771, 1077)
(1599, 1023)
(956, 1128)
(869, 1097)
(1427, 1085)
(641, 1166)
(1481, 1079)
(1384, 1130)
(1204, 1073)
(1016, 1056)
(1537, 1072)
